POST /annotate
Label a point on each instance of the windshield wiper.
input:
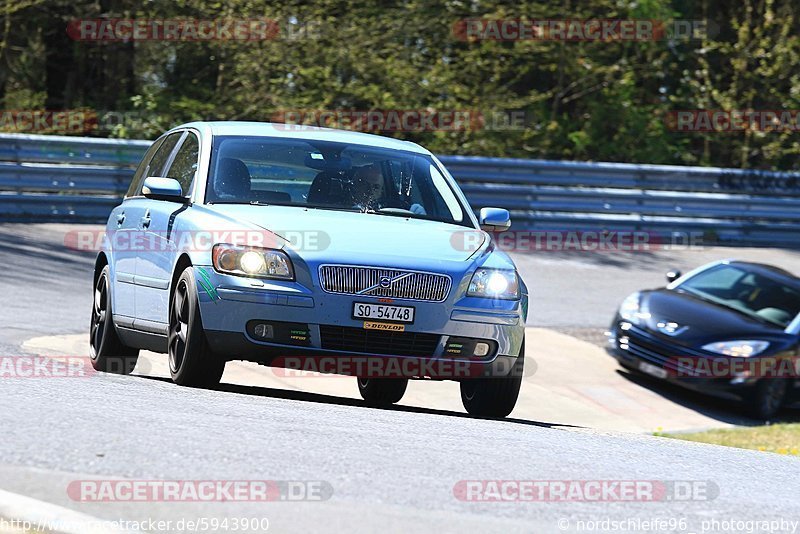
(324, 207)
(292, 205)
(393, 212)
(243, 202)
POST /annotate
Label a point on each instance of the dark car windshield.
(323, 174)
(746, 291)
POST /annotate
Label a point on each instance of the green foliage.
(585, 100)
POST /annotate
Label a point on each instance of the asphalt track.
(391, 470)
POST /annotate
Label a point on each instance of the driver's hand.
(417, 209)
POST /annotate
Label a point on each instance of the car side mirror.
(493, 219)
(673, 275)
(158, 188)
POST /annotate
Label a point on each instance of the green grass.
(782, 438)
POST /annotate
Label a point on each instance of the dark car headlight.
(252, 261)
(494, 284)
(739, 348)
(629, 309)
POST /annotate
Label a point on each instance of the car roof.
(769, 271)
(269, 129)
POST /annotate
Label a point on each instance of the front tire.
(496, 396)
(770, 394)
(106, 351)
(382, 391)
(191, 361)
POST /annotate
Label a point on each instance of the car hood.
(695, 321)
(334, 235)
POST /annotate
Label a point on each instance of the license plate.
(652, 370)
(383, 312)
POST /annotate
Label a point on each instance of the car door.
(121, 231)
(154, 270)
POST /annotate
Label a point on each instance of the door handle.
(145, 221)
(120, 218)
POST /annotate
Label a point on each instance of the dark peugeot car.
(729, 329)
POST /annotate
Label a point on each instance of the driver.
(369, 189)
(369, 186)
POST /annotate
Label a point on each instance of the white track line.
(42, 516)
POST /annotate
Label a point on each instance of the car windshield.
(323, 174)
(746, 291)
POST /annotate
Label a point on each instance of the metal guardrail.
(20, 148)
(52, 178)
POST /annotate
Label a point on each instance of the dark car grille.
(655, 351)
(347, 339)
(352, 280)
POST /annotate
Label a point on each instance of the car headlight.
(740, 348)
(252, 261)
(494, 284)
(629, 309)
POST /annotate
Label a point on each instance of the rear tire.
(382, 391)
(106, 351)
(191, 361)
(494, 397)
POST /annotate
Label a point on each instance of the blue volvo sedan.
(285, 245)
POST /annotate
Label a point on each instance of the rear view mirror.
(494, 219)
(673, 275)
(158, 188)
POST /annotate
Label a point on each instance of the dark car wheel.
(769, 396)
(106, 352)
(191, 361)
(382, 391)
(494, 397)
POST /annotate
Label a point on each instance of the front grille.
(347, 339)
(413, 285)
(655, 351)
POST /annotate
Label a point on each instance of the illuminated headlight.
(494, 284)
(738, 348)
(252, 261)
(629, 309)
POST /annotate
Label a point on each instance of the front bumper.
(229, 303)
(640, 350)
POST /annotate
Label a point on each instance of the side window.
(162, 156)
(184, 165)
(139, 175)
